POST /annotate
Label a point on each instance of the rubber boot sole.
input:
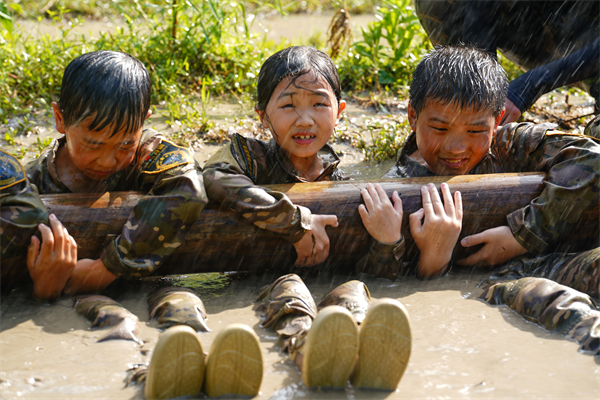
(331, 349)
(235, 363)
(177, 365)
(385, 346)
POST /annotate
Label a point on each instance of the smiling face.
(302, 115)
(93, 155)
(452, 141)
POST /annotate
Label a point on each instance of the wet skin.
(451, 140)
(92, 156)
(302, 117)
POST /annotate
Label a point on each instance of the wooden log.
(222, 241)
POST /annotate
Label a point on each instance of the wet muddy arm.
(158, 224)
(267, 209)
(572, 184)
(383, 260)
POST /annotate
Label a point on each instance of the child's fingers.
(47, 241)
(427, 206)
(378, 194)
(473, 240)
(72, 249)
(474, 259)
(397, 202)
(414, 220)
(58, 231)
(458, 206)
(32, 253)
(448, 202)
(436, 200)
(330, 220)
(364, 214)
(367, 198)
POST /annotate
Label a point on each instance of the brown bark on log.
(221, 241)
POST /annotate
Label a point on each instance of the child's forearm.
(267, 209)
(89, 276)
(433, 265)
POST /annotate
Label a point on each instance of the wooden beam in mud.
(222, 241)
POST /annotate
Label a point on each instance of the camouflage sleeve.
(161, 220)
(21, 209)
(383, 260)
(227, 183)
(572, 164)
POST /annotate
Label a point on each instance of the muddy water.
(462, 347)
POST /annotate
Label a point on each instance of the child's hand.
(51, 265)
(89, 276)
(500, 247)
(437, 235)
(313, 248)
(382, 219)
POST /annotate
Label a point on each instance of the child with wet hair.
(456, 104)
(299, 102)
(104, 101)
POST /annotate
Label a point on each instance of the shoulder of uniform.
(165, 156)
(11, 171)
(244, 151)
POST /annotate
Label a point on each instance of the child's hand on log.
(313, 248)
(89, 276)
(435, 229)
(50, 265)
(381, 218)
(500, 247)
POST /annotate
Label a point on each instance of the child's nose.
(304, 118)
(454, 145)
(107, 160)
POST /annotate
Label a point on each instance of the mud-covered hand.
(50, 265)
(89, 276)
(313, 248)
(435, 229)
(381, 218)
(500, 247)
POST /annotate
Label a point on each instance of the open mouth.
(454, 162)
(304, 138)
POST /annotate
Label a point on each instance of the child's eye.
(321, 105)
(437, 128)
(289, 105)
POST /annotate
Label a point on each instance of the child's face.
(450, 140)
(302, 117)
(96, 153)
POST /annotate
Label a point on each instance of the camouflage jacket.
(161, 220)
(21, 209)
(235, 173)
(572, 164)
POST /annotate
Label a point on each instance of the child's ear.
(261, 116)
(148, 114)
(341, 107)
(498, 120)
(412, 117)
(58, 118)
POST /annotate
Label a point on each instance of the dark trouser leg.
(555, 307)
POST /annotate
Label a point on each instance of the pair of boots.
(334, 350)
(179, 367)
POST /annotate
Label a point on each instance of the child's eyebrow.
(92, 141)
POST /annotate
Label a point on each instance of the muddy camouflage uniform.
(553, 306)
(233, 177)
(572, 163)
(21, 210)
(161, 220)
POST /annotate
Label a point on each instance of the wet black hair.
(464, 74)
(111, 86)
(294, 62)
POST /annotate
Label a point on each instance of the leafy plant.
(386, 138)
(388, 51)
